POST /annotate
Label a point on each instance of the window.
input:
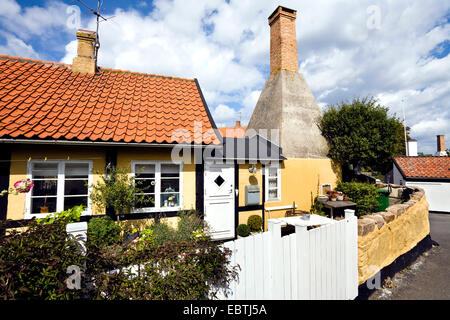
(162, 182)
(325, 189)
(58, 186)
(273, 185)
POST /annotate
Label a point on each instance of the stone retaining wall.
(384, 236)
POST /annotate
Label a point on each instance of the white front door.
(219, 200)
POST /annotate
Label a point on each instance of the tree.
(362, 135)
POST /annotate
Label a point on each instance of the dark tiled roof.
(424, 167)
(46, 100)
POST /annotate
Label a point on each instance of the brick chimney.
(283, 42)
(85, 61)
(441, 145)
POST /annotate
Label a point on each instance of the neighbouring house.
(286, 114)
(62, 125)
(429, 173)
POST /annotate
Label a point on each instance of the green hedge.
(364, 194)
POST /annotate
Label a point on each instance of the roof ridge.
(66, 65)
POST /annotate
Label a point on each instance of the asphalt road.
(428, 278)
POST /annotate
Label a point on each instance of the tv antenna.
(98, 15)
(404, 127)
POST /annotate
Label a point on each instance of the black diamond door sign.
(219, 180)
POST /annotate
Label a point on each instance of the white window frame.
(266, 178)
(60, 188)
(321, 188)
(157, 207)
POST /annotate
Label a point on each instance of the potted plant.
(340, 196)
(118, 191)
(333, 196)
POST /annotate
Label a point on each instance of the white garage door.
(437, 193)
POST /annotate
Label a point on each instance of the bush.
(255, 223)
(172, 271)
(103, 231)
(68, 216)
(34, 263)
(189, 223)
(364, 194)
(243, 230)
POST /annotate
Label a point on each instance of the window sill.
(163, 209)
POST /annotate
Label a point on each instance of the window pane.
(77, 170)
(148, 203)
(145, 185)
(273, 194)
(44, 170)
(326, 188)
(273, 171)
(70, 202)
(170, 170)
(170, 200)
(145, 169)
(43, 205)
(273, 182)
(145, 176)
(170, 185)
(44, 188)
(73, 187)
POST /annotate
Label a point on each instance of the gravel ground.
(428, 278)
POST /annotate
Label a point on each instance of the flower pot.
(333, 199)
(340, 197)
(306, 216)
(44, 209)
(323, 199)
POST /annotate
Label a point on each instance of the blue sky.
(394, 50)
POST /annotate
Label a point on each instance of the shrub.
(364, 194)
(243, 230)
(163, 233)
(34, 263)
(119, 191)
(67, 216)
(172, 271)
(189, 223)
(103, 231)
(254, 222)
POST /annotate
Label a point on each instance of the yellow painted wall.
(381, 247)
(18, 170)
(299, 177)
(21, 153)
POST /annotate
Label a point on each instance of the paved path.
(429, 276)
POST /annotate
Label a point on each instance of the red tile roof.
(232, 132)
(424, 167)
(46, 100)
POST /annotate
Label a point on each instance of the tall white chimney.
(412, 148)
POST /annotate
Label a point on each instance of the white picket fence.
(321, 263)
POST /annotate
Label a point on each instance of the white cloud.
(225, 44)
(16, 47)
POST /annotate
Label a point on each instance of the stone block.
(387, 216)
(379, 220)
(397, 209)
(365, 226)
